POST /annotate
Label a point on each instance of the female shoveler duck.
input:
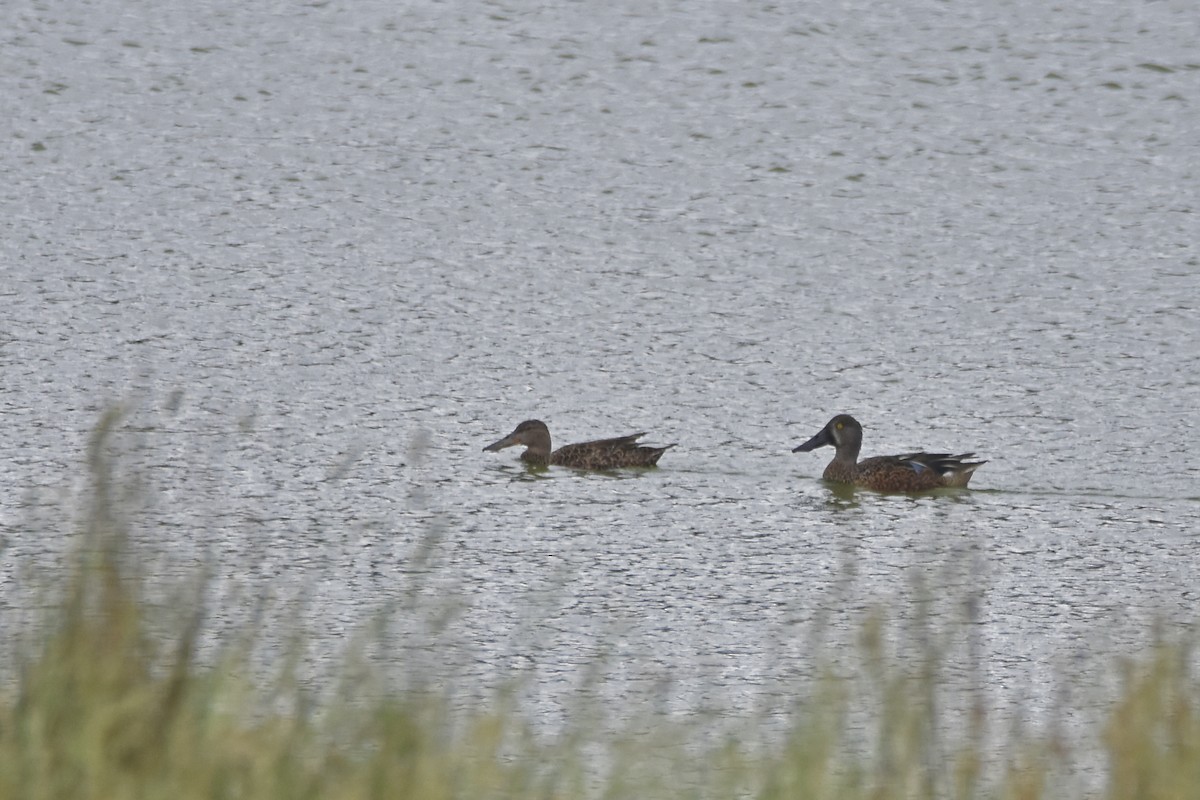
(910, 472)
(623, 451)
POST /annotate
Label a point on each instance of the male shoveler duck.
(910, 472)
(623, 451)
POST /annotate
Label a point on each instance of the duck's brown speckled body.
(909, 472)
(622, 451)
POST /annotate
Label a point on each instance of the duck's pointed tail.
(960, 473)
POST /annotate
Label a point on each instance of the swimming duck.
(910, 472)
(623, 451)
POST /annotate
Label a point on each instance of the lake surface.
(325, 253)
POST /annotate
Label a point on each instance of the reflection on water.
(522, 471)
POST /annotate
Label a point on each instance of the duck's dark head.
(843, 433)
(532, 433)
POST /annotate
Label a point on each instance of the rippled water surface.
(325, 253)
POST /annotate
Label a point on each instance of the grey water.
(323, 253)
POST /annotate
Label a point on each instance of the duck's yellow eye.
(838, 426)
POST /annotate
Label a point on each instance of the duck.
(601, 454)
(909, 472)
